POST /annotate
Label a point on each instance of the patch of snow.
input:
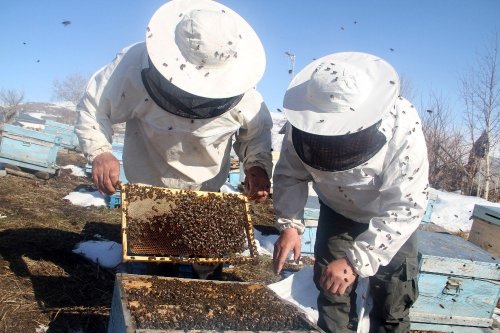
(86, 199)
(38, 115)
(75, 170)
(105, 253)
(41, 329)
(453, 211)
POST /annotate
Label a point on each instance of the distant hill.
(63, 113)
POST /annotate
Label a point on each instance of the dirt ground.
(42, 282)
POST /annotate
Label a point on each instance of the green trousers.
(394, 287)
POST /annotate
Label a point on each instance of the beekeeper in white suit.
(185, 94)
(362, 147)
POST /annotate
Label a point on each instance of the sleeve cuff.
(282, 225)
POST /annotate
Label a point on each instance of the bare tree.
(71, 88)
(10, 99)
(406, 88)
(480, 89)
(445, 145)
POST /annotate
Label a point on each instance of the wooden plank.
(470, 302)
(485, 235)
(459, 267)
(487, 213)
(450, 328)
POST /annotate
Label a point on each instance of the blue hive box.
(459, 285)
(29, 149)
(67, 133)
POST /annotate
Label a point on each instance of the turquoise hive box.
(459, 285)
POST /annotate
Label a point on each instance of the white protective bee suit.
(163, 149)
(391, 187)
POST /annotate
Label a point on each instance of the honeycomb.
(187, 304)
(184, 226)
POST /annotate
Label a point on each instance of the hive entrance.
(184, 226)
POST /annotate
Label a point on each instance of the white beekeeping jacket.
(163, 149)
(388, 192)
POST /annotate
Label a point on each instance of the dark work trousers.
(393, 288)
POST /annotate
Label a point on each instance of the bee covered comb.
(185, 226)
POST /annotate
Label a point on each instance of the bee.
(392, 82)
(321, 120)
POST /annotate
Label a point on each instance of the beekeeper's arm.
(253, 144)
(403, 200)
(290, 192)
(96, 110)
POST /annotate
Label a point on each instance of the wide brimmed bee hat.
(341, 93)
(205, 48)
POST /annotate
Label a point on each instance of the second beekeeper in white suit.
(362, 147)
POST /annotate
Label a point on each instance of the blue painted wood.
(464, 301)
(29, 149)
(113, 200)
(234, 178)
(490, 214)
(428, 211)
(458, 283)
(67, 133)
(308, 240)
(450, 328)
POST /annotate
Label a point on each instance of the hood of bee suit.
(335, 106)
(341, 93)
(205, 48)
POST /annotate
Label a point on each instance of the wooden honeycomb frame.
(146, 207)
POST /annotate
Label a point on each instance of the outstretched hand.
(289, 240)
(106, 173)
(257, 184)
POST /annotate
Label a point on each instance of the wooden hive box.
(485, 230)
(29, 149)
(149, 304)
(459, 285)
(183, 226)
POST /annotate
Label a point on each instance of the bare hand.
(106, 173)
(337, 276)
(257, 184)
(289, 240)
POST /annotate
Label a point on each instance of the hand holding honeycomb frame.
(185, 226)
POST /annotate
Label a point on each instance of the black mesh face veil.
(181, 103)
(338, 152)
